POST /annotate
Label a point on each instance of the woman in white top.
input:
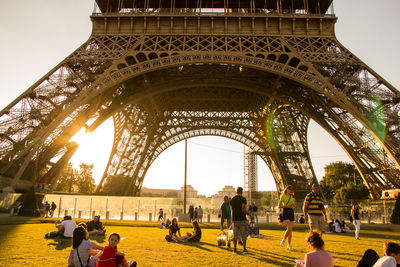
(80, 255)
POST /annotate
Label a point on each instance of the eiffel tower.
(166, 70)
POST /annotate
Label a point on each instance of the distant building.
(228, 190)
(190, 192)
(150, 192)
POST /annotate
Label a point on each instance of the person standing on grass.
(314, 208)
(355, 214)
(226, 213)
(239, 211)
(52, 209)
(288, 204)
(160, 215)
(200, 214)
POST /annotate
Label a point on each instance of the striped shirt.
(315, 204)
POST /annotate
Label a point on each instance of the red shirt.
(107, 258)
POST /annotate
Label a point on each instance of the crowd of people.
(240, 222)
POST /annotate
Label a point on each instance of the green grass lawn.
(23, 244)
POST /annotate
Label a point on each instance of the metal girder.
(257, 79)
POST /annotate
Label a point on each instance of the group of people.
(336, 226)
(174, 233)
(47, 209)
(87, 253)
(196, 213)
(66, 227)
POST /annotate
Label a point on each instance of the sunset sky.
(37, 35)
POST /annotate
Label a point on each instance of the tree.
(85, 180)
(351, 192)
(337, 175)
(67, 180)
(115, 185)
(76, 181)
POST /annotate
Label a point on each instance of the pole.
(184, 185)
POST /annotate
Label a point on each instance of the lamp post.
(184, 185)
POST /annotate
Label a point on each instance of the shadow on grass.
(199, 245)
(61, 244)
(261, 255)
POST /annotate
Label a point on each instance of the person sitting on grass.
(111, 257)
(345, 227)
(173, 229)
(391, 258)
(83, 252)
(317, 255)
(195, 236)
(95, 227)
(65, 228)
(165, 225)
(338, 227)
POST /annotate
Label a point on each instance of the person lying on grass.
(111, 257)
(83, 252)
(195, 236)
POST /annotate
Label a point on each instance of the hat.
(315, 186)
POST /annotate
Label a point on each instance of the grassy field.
(22, 243)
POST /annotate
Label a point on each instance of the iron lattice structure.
(250, 174)
(252, 71)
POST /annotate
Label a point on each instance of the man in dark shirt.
(239, 212)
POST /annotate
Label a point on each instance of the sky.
(37, 35)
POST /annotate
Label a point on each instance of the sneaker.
(132, 264)
(234, 251)
(289, 247)
(357, 238)
(282, 242)
(245, 251)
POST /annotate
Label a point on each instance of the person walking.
(288, 204)
(226, 213)
(52, 209)
(314, 208)
(160, 215)
(355, 214)
(239, 212)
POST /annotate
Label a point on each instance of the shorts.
(317, 222)
(240, 230)
(288, 214)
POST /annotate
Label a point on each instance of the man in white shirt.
(66, 227)
(392, 255)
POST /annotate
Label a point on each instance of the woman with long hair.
(173, 229)
(195, 236)
(355, 214)
(317, 255)
(288, 204)
(80, 255)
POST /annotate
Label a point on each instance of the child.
(111, 257)
(252, 228)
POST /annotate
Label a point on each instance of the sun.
(94, 148)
